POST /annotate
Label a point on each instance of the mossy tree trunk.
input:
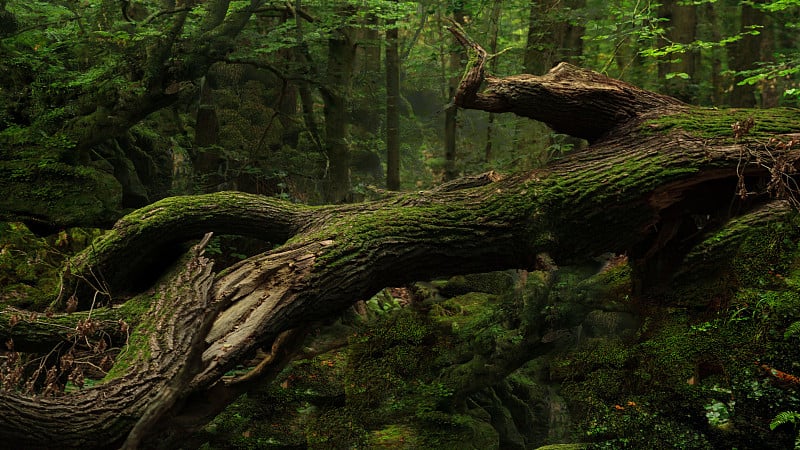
(659, 177)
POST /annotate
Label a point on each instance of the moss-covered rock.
(55, 195)
(488, 283)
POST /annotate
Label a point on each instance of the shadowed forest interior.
(400, 224)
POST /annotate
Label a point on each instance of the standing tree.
(678, 73)
(339, 75)
(744, 51)
(392, 110)
(451, 111)
(494, 26)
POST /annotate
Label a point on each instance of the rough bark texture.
(655, 164)
(153, 377)
(341, 57)
(392, 109)
(681, 28)
(571, 100)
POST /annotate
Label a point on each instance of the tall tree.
(553, 34)
(337, 94)
(745, 52)
(392, 110)
(494, 28)
(678, 73)
(459, 15)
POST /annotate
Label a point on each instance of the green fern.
(784, 417)
(792, 330)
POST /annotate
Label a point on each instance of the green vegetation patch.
(713, 123)
(63, 194)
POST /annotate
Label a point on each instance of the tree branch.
(571, 100)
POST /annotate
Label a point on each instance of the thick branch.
(142, 239)
(571, 100)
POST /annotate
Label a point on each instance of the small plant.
(792, 330)
(787, 417)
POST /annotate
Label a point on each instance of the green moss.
(465, 311)
(767, 254)
(468, 433)
(395, 437)
(562, 447)
(30, 264)
(712, 123)
(136, 350)
(59, 194)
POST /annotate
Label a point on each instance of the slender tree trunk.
(744, 53)
(392, 111)
(681, 29)
(369, 72)
(717, 78)
(552, 38)
(770, 90)
(494, 28)
(302, 56)
(451, 113)
(341, 56)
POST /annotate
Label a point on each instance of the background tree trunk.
(494, 29)
(392, 110)
(341, 56)
(743, 52)
(451, 112)
(681, 29)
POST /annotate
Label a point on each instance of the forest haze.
(399, 224)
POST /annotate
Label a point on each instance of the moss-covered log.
(659, 177)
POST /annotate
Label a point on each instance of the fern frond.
(784, 417)
(792, 329)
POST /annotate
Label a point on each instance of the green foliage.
(783, 418)
(30, 265)
(636, 426)
(792, 330)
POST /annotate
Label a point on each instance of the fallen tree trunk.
(658, 177)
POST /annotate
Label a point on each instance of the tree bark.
(341, 56)
(744, 53)
(681, 29)
(392, 110)
(494, 26)
(451, 112)
(655, 164)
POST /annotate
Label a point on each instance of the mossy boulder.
(62, 195)
(489, 283)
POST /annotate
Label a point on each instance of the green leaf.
(784, 418)
(682, 75)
